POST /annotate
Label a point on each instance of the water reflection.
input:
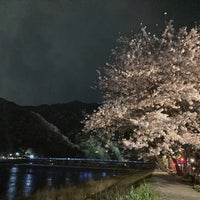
(85, 176)
(24, 180)
(28, 183)
(49, 181)
(12, 183)
(103, 174)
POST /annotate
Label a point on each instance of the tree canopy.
(151, 90)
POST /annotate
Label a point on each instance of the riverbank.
(165, 186)
(105, 189)
(122, 186)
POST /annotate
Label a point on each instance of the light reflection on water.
(28, 183)
(49, 181)
(25, 180)
(84, 176)
(12, 183)
(103, 174)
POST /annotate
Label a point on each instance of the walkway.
(170, 187)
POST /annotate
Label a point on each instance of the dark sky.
(50, 49)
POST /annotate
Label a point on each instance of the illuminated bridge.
(80, 163)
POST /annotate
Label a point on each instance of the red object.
(182, 160)
(174, 164)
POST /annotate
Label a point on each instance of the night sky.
(50, 49)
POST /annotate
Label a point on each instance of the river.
(24, 180)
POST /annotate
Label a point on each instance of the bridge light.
(31, 156)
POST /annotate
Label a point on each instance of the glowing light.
(31, 156)
(182, 159)
(17, 154)
(192, 160)
(193, 168)
(174, 164)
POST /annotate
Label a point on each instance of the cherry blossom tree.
(151, 91)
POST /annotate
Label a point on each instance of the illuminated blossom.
(152, 92)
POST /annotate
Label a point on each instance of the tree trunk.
(161, 164)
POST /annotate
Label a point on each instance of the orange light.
(193, 168)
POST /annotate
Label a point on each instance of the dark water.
(25, 180)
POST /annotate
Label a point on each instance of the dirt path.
(171, 188)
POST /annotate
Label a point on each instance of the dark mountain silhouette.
(41, 128)
(67, 117)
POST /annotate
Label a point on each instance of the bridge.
(79, 163)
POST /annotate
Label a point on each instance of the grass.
(197, 188)
(143, 192)
(106, 189)
(74, 192)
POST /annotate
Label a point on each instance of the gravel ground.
(170, 187)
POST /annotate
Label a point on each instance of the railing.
(81, 162)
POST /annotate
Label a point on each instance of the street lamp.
(192, 160)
